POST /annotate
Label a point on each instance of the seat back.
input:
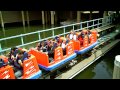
(58, 54)
(76, 44)
(30, 67)
(85, 41)
(41, 57)
(7, 72)
(70, 48)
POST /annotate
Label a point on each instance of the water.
(12, 31)
(103, 68)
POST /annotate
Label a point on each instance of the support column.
(116, 72)
(2, 21)
(28, 20)
(78, 16)
(90, 15)
(52, 17)
(43, 18)
(23, 18)
(104, 15)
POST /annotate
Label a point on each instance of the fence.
(86, 24)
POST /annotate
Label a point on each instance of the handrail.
(46, 30)
(104, 21)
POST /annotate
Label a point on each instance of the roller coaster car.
(81, 49)
(59, 58)
(30, 70)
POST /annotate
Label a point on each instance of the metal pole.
(28, 21)
(64, 32)
(78, 16)
(43, 18)
(22, 39)
(23, 18)
(98, 24)
(116, 72)
(93, 24)
(81, 26)
(39, 35)
(90, 15)
(73, 27)
(52, 17)
(0, 49)
(53, 32)
(2, 22)
(87, 25)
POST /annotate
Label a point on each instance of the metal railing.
(99, 22)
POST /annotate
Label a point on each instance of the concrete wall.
(16, 16)
(11, 16)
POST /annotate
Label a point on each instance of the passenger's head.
(13, 49)
(20, 53)
(1, 59)
(42, 43)
(71, 32)
(64, 40)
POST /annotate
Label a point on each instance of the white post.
(43, 17)
(52, 17)
(2, 21)
(116, 72)
(23, 18)
(78, 16)
(90, 15)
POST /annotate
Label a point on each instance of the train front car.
(88, 42)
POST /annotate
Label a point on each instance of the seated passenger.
(67, 40)
(81, 37)
(2, 63)
(74, 36)
(12, 54)
(57, 38)
(18, 61)
(89, 34)
(63, 45)
(70, 35)
(53, 46)
(42, 46)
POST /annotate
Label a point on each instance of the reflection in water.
(101, 71)
(24, 29)
(43, 32)
(103, 68)
(3, 35)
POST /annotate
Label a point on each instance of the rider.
(18, 61)
(12, 54)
